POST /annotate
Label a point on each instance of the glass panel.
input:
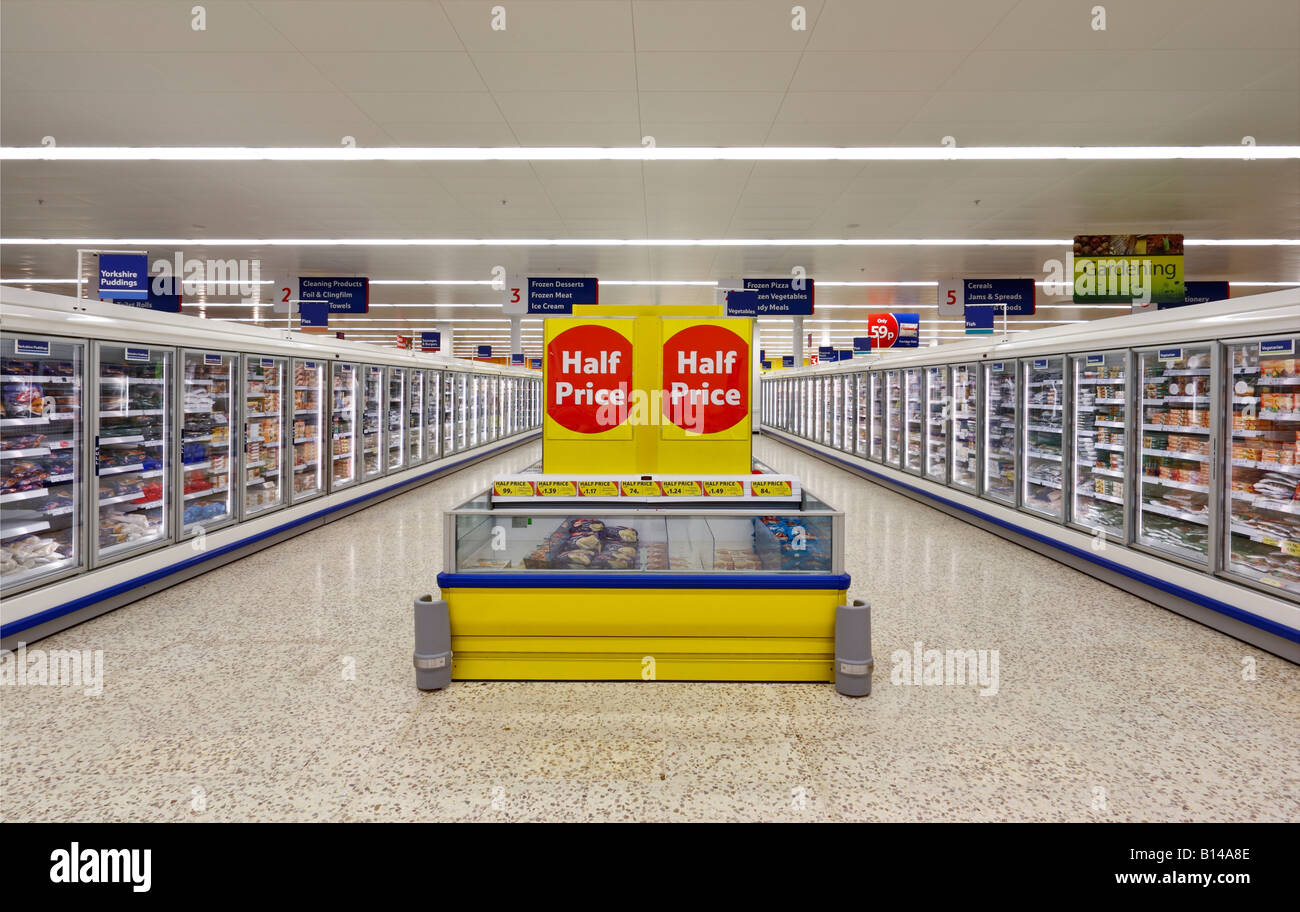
(1264, 464)
(134, 478)
(372, 425)
(343, 427)
(938, 416)
(1173, 511)
(394, 424)
(209, 380)
(263, 438)
(893, 415)
(1100, 441)
(432, 409)
(41, 458)
(850, 411)
(448, 414)
(836, 438)
(308, 422)
(1044, 440)
(965, 446)
(912, 399)
(462, 411)
(1000, 431)
(415, 418)
(877, 415)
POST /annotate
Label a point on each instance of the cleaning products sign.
(706, 377)
(588, 378)
(1127, 268)
(350, 294)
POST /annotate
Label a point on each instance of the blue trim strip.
(579, 580)
(1232, 611)
(86, 601)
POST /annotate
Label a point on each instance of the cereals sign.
(706, 373)
(588, 378)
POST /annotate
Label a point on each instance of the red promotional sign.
(882, 330)
(588, 370)
(706, 379)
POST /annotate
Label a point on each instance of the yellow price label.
(556, 489)
(639, 488)
(724, 488)
(1268, 540)
(681, 488)
(1292, 548)
(598, 488)
(770, 488)
(512, 488)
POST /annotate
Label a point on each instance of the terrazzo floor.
(228, 698)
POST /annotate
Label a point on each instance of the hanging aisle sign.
(485, 353)
(551, 295)
(344, 295)
(124, 276)
(431, 341)
(1202, 293)
(516, 359)
(979, 320)
(1017, 295)
(782, 296)
(826, 354)
(314, 316)
(740, 303)
(894, 330)
(861, 345)
(1128, 268)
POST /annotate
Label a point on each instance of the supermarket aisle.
(281, 688)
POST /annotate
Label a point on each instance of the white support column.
(516, 333)
(797, 342)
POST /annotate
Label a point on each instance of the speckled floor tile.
(281, 688)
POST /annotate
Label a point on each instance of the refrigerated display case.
(415, 418)
(893, 417)
(133, 480)
(432, 409)
(938, 417)
(1099, 495)
(464, 412)
(913, 427)
(835, 436)
(449, 427)
(208, 462)
(308, 471)
(1174, 389)
(1263, 465)
(264, 433)
(1043, 442)
(999, 437)
(41, 460)
(372, 422)
(344, 446)
(965, 423)
(395, 422)
(877, 416)
(861, 410)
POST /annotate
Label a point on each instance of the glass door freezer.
(449, 417)
(432, 410)
(1100, 421)
(371, 419)
(938, 411)
(1174, 515)
(999, 437)
(835, 434)
(463, 411)
(415, 418)
(308, 471)
(208, 463)
(133, 458)
(893, 418)
(1043, 437)
(965, 424)
(913, 423)
(850, 413)
(862, 410)
(1263, 465)
(394, 421)
(344, 445)
(42, 457)
(878, 383)
(264, 444)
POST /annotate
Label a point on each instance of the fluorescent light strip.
(609, 242)
(641, 153)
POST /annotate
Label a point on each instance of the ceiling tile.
(549, 72)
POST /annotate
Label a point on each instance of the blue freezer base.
(188, 565)
(1269, 635)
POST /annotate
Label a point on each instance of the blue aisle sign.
(782, 296)
(844, 354)
(979, 320)
(535, 363)
(554, 295)
(767, 365)
(787, 360)
(1200, 293)
(861, 345)
(124, 276)
(1016, 294)
(314, 315)
(516, 359)
(742, 303)
(826, 353)
(345, 295)
(485, 352)
(162, 302)
(431, 341)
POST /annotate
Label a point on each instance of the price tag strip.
(646, 488)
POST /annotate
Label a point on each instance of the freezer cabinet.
(345, 446)
(415, 436)
(1042, 442)
(999, 432)
(371, 419)
(913, 424)
(395, 419)
(432, 413)
(308, 469)
(1100, 414)
(938, 418)
(209, 463)
(965, 427)
(263, 484)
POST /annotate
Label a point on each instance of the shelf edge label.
(1277, 347)
(770, 488)
(639, 488)
(268, 362)
(32, 347)
(137, 354)
(681, 488)
(213, 360)
(1040, 364)
(724, 488)
(512, 488)
(1170, 354)
(556, 489)
(598, 489)
(1094, 360)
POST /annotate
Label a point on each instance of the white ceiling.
(607, 72)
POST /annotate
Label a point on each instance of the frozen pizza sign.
(706, 370)
(588, 378)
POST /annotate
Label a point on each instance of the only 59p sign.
(882, 329)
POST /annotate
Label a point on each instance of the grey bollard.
(432, 644)
(853, 661)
